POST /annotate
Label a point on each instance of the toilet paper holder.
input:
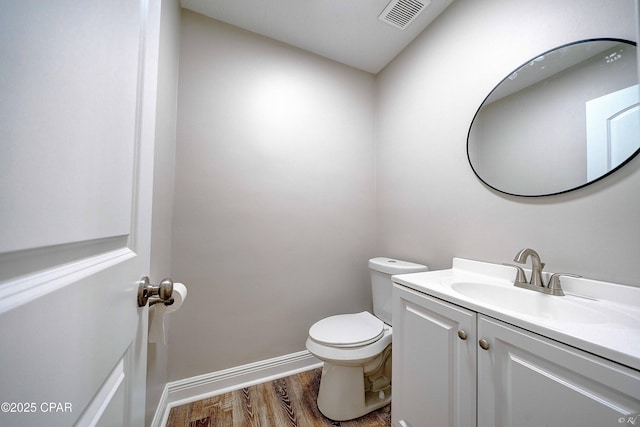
(154, 294)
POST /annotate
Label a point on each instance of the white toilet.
(356, 349)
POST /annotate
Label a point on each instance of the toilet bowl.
(356, 349)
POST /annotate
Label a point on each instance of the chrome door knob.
(162, 292)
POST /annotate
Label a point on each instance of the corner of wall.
(163, 185)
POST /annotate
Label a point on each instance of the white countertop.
(617, 338)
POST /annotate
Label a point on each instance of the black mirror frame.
(631, 157)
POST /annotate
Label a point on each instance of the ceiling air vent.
(400, 13)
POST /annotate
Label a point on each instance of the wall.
(426, 100)
(274, 207)
(163, 184)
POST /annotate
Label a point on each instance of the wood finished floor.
(289, 401)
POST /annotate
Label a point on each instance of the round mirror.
(561, 121)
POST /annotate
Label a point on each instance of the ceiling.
(347, 31)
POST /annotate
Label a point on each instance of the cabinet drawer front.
(527, 380)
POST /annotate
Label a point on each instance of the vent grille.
(400, 13)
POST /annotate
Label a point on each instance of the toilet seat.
(347, 330)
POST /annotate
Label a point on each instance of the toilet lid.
(348, 330)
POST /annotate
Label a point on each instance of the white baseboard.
(188, 390)
(162, 411)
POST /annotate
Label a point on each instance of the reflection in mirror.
(561, 121)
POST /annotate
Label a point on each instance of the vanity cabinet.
(497, 375)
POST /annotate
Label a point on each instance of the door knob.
(484, 344)
(462, 334)
(154, 294)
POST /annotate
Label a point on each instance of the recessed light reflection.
(613, 57)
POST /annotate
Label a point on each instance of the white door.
(613, 130)
(77, 111)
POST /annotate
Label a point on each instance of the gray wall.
(280, 200)
(163, 184)
(275, 198)
(426, 100)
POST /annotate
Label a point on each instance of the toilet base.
(342, 393)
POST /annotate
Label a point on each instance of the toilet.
(356, 349)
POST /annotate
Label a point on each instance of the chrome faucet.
(535, 282)
(536, 266)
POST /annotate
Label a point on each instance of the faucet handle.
(520, 276)
(554, 287)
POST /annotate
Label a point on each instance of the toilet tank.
(381, 285)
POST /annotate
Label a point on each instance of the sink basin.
(529, 302)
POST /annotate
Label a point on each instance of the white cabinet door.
(525, 380)
(77, 117)
(433, 367)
